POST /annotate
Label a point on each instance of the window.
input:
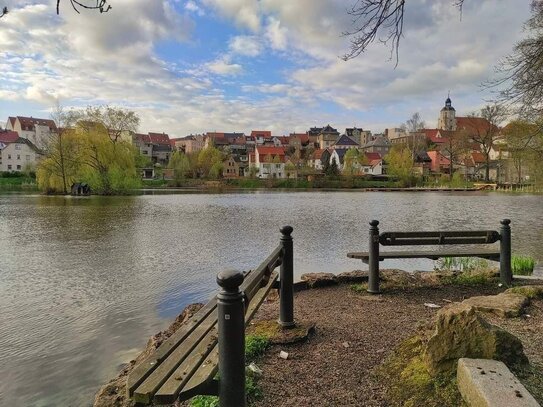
(277, 166)
(145, 152)
(19, 167)
(18, 156)
(17, 146)
(9, 166)
(9, 156)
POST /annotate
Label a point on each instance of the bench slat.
(257, 278)
(144, 369)
(162, 372)
(433, 255)
(439, 238)
(168, 392)
(194, 368)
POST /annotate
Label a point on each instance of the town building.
(344, 142)
(156, 146)
(38, 131)
(269, 161)
(190, 144)
(379, 144)
(17, 154)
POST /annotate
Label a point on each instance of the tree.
(100, 5)
(400, 164)
(118, 121)
(455, 148)
(412, 128)
(483, 129)
(521, 72)
(378, 19)
(518, 135)
(61, 164)
(333, 169)
(180, 165)
(210, 162)
(352, 162)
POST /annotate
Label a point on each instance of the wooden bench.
(429, 238)
(213, 340)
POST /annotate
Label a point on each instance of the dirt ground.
(355, 332)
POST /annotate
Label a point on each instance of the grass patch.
(255, 346)
(409, 382)
(462, 264)
(531, 292)
(522, 265)
(361, 288)
(204, 401)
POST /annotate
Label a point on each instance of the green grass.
(17, 183)
(462, 264)
(359, 288)
(255, 346)
(522, 265)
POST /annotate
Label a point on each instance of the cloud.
(245, 13)
(222, 66)
(247, 45)
(192, 7)
(276, 34)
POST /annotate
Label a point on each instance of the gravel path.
(354, 334)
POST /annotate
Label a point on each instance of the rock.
(283, 355)
(356, 276)
(462, 332)
(113, 394)
(315, 280)
(489, 383)
(505, 305)
(431, 305)
(530, 291)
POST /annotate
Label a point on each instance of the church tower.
(447, 117)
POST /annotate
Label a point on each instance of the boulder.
(315, 280)
(505, 305)
(462, 332)
(356, 276)
(530, 291)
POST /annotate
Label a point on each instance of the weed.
(522, 265)
(255, 346)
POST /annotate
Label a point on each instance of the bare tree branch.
(378, 19)
(100, 5)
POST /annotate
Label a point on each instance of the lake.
(84, 282)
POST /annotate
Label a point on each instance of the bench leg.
(231, 322)
(506, 274)
(373, 261)
(286, 291)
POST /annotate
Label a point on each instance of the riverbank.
(356, 333)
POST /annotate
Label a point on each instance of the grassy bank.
(17, 183)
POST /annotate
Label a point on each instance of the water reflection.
(85, 281)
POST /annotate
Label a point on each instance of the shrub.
(255, 346)
(522, 265)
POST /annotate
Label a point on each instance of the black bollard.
(286, 293)
(373, 261)
(231, 323)
(506, 274)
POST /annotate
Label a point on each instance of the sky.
(192, 66)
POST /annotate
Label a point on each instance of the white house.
(18, 155)
(270, 161)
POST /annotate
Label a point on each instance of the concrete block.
(489, 383)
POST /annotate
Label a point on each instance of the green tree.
(180, 165)
(210, 162)
(400, 164)
(58, 170)
(351, 162)
(332, 169)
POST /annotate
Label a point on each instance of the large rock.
(506, 305)
(461, 332)
(530, 291)
(315, 280)
(489, 383)
(356, 276)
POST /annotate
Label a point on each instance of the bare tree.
(455, 148)
(100, 5)
(117, 121)
(483, 129)
(381, 20)
(412, 128)
(521, 72)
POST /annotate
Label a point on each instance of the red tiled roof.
(159, 138)
(478, 158)
(12, 120)
(318, 154)
(373, 156)
(8, 136)
(475, 124)
(283, 140)
(261, 133)
(270, 150)
(30, 122)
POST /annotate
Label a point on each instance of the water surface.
(85, 281)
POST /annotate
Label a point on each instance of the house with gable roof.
(270, 161)
(344, 142)
(38, 131)
(17, 153)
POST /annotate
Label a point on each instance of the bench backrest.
(438, 238)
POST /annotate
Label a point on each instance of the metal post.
(286, 293)
(506, 274)
(373, 261)
(231, 321)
